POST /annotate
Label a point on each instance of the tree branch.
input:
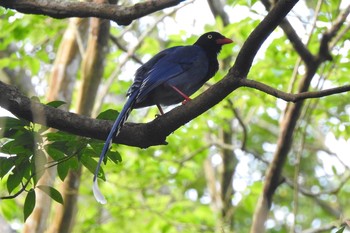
(324, 51)
(122, 15)
(293, 37)
(258, 36)
(289, 97)
(285, 139)
(139, 135)
(155, 132)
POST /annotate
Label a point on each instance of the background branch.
(289, 97)
(122, 15)
(285, 139)
(293, 37)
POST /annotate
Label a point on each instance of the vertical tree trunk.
(92, 71)
(229, 163)
(60, 88)
(284, 143)
(221, 195)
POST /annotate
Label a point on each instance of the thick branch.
(122, 15)
(140, 135)
(155, 132)
(293, 37)
(258, 36)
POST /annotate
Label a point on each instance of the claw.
(186, 101)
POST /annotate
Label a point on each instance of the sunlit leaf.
(56, 103)
(109, 114)
(52, 192)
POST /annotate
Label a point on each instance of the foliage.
(27, 145)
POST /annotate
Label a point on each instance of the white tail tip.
(97, 193)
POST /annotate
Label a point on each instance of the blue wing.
(146, 68)
(184, 67)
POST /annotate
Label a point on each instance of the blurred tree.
(273, 160)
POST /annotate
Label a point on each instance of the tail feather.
(118, 124)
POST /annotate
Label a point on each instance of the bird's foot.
(188, 99)
(160, 110)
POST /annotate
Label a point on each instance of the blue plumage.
(168, 78)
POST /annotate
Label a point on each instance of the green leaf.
(52, 192)
(6, 164)
(91, 165)
(13, 181)
(54, 153)
(62, 170)
(29, 204)
(12, 123)
(341, 230)
(20, 171)
(109, 114)
(56, 103)
(115, 156)
(61, 136)
(96, 149)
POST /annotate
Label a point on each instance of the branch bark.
(155, 132)
(136, 134)
(122, 15)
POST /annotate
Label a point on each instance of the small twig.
(324, 228)
(24, 186)
(130, 53)
(241, 123)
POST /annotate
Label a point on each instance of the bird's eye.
(210, 36)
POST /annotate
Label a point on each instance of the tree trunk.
(92, 71)
(229, 163)
(60, 88)
(221, 195)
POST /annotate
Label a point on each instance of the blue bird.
(168, 78)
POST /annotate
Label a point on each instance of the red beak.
(223, 41)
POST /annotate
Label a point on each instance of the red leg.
(160, 109)
(182, 94)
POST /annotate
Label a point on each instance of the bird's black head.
(212, 42)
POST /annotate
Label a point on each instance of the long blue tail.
(118, 124)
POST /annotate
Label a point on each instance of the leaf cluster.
(28, 150)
